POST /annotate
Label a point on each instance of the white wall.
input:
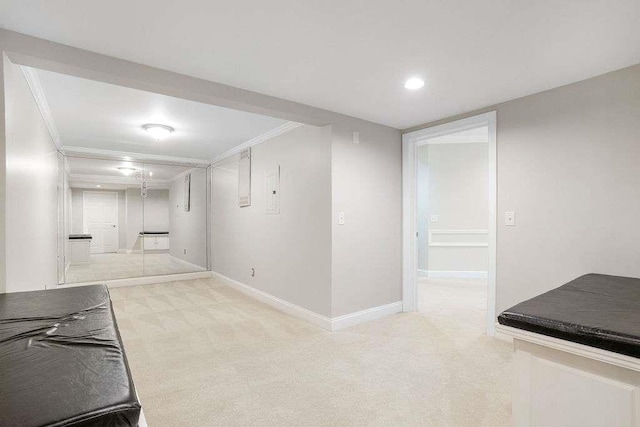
(568, 165)
(367, 187)
(455, 188)
(290, 251)
(188, 230)
(156, 210)
(31, 190)
(133, 203)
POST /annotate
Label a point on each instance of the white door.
(100, 219)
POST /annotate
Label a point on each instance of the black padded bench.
(595, 310)
(62, 362)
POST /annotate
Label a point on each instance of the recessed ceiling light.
(158, 131)
(98, 186)
(127, 170)
(414, 83)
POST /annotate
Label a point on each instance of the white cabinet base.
(79, 251)
(156, 242)
(560, 383)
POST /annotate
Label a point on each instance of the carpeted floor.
(204, 354)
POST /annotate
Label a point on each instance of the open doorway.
(449, 220)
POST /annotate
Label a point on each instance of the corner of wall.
(4, 61)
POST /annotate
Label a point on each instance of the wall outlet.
(434, 218)
(340, 218)
(253, 272)
(510, 219)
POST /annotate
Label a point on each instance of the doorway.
(100, 220)
(449, 218)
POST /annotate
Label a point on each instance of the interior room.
(312, 213)
(452, 212)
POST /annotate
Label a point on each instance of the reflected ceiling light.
(127, 170)
(150, 173)
(98, 186)
(158, 131)
(414, 83)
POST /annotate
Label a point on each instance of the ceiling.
(89, 173)
(353, 56)
(96, 115)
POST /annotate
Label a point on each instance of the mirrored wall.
(125, 219)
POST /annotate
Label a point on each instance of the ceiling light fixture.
(414, 83)
(127, 170)
(158, 131)
(98, 186)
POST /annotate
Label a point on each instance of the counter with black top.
(155, 240)
(79, 248)
(80, 237)
(577, 354)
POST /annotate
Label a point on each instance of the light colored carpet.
(204, 354)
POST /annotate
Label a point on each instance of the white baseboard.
(148, 280)
(358, 317)
(324, 322)
(437, 274)
(279, 304)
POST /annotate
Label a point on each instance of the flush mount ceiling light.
(158, 131)
(414, 83)
(127, 170)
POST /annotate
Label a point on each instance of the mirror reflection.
(129, 219)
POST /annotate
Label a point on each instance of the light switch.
(340, 218)
(435, 218)
(510, 218)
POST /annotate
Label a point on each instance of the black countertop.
(80, 237)
(595, 310)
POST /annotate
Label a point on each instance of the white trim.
(410, 142)
(284, 128)
(594, 353)
(31, 75)
(367, 315)
(147, 280)
(442, 274)
(324, 322)
(279, 304)
(423, 273)
(96, 153)
(456, 244)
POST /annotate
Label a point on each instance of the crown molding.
(31, 75)
(284, 128)
(130, 156)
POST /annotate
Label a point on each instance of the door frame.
(84, 210)
(410, 143)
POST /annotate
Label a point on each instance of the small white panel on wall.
(244, 178)
(272, 196)
(187, 192)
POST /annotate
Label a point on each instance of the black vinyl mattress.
(62, 362)
(595, 310)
